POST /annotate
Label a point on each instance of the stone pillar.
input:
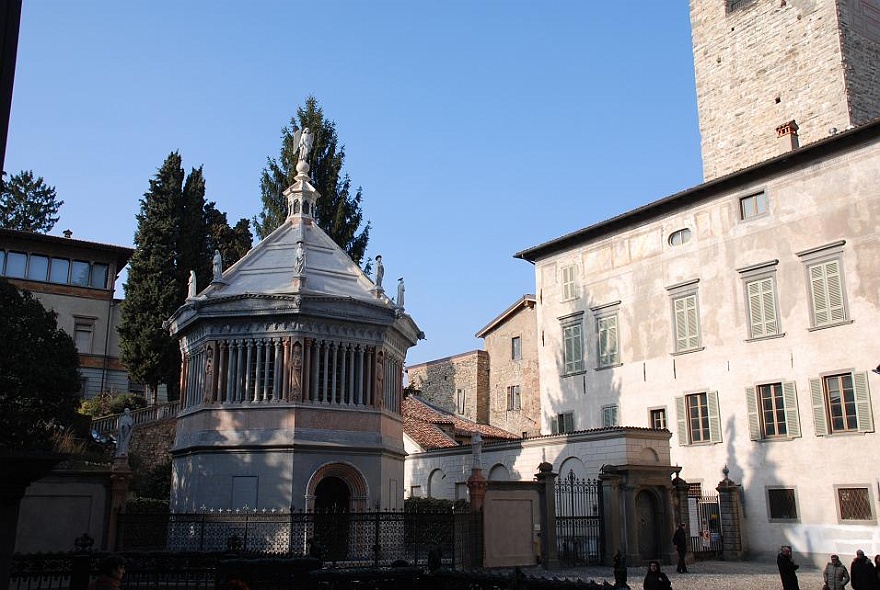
(477, 486)
(120, 479)
(730, 507)
(680, 510)
(547, 492)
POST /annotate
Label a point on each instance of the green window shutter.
(792, 421)
(693, 322)
(820, 422)
(608, 348)
(768, 300)
(554, 425)
(754, 420)
(756, 319)
(714, 416)
(863, 402)
(687, 326)
(834, 281)
(819, 297)
(681, 417)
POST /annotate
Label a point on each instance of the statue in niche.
(296, 206)
(380, 271)
(299, 265)
(191, 285)
(296, 365)
(209, 360)
(400, 291)
(126, 424)
(218, 266)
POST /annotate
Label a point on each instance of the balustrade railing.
(108, 424)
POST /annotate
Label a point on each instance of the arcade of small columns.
(259, 370)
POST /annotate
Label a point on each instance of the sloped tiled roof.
(422, 421)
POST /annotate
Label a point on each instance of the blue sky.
(476, 128)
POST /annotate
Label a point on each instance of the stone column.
(730, 507)
(680, 510)
(477, 486)
(120, 479)
(547, 492)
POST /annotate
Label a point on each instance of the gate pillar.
(547, 492)
(730, 507)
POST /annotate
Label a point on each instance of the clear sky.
(476, 128)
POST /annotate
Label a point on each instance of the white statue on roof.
(303, 140)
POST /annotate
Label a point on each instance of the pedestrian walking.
(835, 575)
(862, 573)
(679, 539)
(787, 568)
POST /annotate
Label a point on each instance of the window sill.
(870, 522)
(688, 351)
(783, 520)
(606, 367)
(771, 337)
(574, 373)
(702, 443)
(775, 439)
(834, 325)
(842, 433)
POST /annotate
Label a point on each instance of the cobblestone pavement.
(707, 575)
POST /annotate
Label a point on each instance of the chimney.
(787, 137)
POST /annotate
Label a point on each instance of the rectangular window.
(562, 423)
(573, 348)
(16, 264)
(460, 401)
(609, 416)
(569, 282)
(687, 323)
(516, 348)
(753, 206)
(854, 503)
(80, 274)
(782, 504)
(841, 403)
(762, 308)
(514, 400)
(59, 271)
(826, 293)
(83, 330)
(773, 411)
(698, 417)
(658, 418)
(99, 276)
(608, 343)
(38, 267)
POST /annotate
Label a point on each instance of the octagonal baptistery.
(292, 378)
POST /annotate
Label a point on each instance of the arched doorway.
(332, 501)
(646, 525)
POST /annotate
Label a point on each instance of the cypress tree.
(338, 210)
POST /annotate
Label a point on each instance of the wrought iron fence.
(706, 537)
(579, 521)
(341, 538)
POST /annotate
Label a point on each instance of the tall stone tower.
(775, 74)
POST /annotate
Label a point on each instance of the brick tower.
(762, 64)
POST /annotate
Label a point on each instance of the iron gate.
(580, 531)
(705, 525)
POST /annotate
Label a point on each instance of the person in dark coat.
(787, 568)
(862, 575)
(655, 579)
(110, 572)
(679, 539)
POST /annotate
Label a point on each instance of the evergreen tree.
(338, 210)
(39, 372)
(177, 232)
(153, 290)
(28, 203)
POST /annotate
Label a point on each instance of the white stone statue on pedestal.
(400, 291)
(303, 139)
(299, 266)
(191, 293)
(218, 266)
(477, 450)
(380, 271)
(123, 435)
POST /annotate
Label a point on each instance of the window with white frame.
(562, 423)
(516, 348)
(514, 399)
(841, 403)
(685, 316)
(572, 344)
(698, 418)
(609, 415)
(83, 334)
(657, 417)
(773, 411)
(782, 504)
(608, 352)
(762, 307)
(825, 279)
(753, 206)
(569, 282)
(460, 401)
(854, 503)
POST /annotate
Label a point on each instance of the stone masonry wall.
(152, 441)
(771, 62)
(861, 41)
(439, 381)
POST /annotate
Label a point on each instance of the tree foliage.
(338, 210)
(39, 373)
(177, 232)
(28, 203)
